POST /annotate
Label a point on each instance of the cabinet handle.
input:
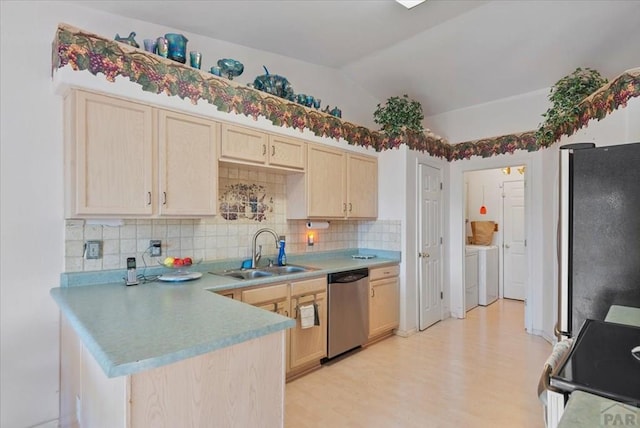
(286, 313)
(148, 198)
(264, 149)
(164, 198)
(350, 207)
(344, 207)
(373, 292)
(273, 150)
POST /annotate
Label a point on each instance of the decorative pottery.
(195, 59)
(128, 40)
(230, 67)
(162, 47)
(273, 84)
(336, 112)
(150, 45)
(177, 47)
(216, 70)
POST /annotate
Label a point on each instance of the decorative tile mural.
(245, 201)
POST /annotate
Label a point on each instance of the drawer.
(265, 294)
(383, 272)
(316, 285)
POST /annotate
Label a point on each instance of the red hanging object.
(483, 209)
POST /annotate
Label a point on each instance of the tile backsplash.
(248, 201)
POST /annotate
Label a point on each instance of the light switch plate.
(92, 250)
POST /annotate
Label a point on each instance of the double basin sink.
(263, 272)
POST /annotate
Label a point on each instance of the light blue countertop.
(136, 328)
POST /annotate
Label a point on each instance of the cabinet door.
(287, 152)
(188, 165)
(243, 144)
(362, 186)
(310, 344)
(109, 156)
(326, 181)
(384, 306)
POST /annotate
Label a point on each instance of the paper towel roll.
(317, 225)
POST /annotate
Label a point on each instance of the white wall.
(32, 192)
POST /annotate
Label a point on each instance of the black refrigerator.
(599, 232)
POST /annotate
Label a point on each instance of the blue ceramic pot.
(177, 47)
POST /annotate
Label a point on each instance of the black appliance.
(599, 232)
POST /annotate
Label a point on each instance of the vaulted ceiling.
(447, 54)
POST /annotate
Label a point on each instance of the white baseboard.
(49, 424)
(405, 333)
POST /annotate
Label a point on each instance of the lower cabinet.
(308, 345)
(305, 347)
(194, 392)
(384, 301)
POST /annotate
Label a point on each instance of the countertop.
(135, 328)
(589, 410)
(623, 315)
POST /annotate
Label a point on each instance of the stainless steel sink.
(263, 272)
(244, 273)
(281, 270)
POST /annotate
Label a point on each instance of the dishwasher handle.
(349, 276)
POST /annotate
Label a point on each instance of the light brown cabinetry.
(274, 298)
(309, 345)
(188, 171)
(337, 184)
(127, 159)
(252, 147)
(305, 347)
(108, 156)
(193, 392)
(384, 301)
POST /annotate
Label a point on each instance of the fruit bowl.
(180, 269)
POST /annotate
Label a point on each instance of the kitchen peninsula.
(160, 354)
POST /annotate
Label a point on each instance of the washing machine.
(487, 273)
(471, 278)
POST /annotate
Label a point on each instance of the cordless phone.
(132, 275)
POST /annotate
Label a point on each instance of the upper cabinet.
(251, 147)
(188, 171)
(337, 184)
(121, 161)
(108, 156)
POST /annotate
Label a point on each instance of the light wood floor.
(478, 372)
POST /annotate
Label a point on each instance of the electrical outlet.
(156, 247)
(92, 250)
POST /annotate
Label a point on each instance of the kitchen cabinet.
(188, 171)
(248, 146)
(127, 159)
(273, 298)
(337, 184)
(108, 156)
(304, 347)
(384, 301)
(192, 392)
(309, 345)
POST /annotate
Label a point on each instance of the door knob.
(506, 246)
(425, 255)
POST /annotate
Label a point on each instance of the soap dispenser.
(282, 257)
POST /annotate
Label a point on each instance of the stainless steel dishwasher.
(348, 307)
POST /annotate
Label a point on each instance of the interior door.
(514, 241)
(429, 246)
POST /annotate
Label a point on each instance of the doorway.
(498, 195)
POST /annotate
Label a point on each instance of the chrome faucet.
(255, 256)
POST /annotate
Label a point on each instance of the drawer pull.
(273, 150)
(264, 149)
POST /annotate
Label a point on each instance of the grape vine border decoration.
(86, 51)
